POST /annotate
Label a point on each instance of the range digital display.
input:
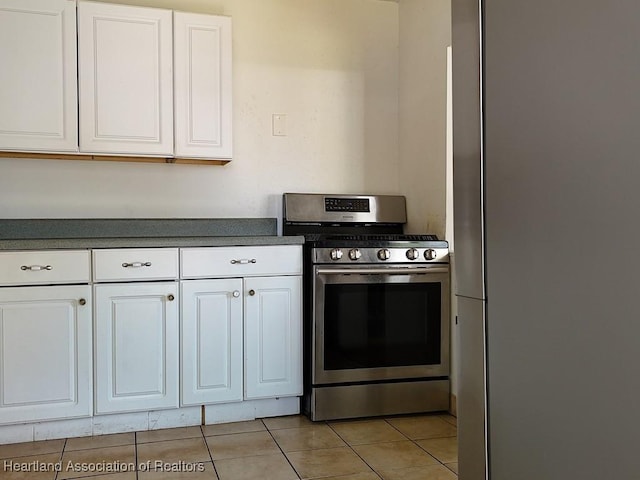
(332, 204)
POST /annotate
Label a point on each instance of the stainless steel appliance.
(376, 308)
(545, 116)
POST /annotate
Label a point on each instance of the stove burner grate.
(391, 237)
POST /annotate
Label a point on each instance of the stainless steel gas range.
(376, 327)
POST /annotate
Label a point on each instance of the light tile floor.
(419, 447)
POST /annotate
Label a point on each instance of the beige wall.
(425, 33)
(363, 83)
(330, 65)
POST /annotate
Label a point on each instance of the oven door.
(377, 323)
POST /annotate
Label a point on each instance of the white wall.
(330, 65)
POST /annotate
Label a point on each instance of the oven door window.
(377, 324)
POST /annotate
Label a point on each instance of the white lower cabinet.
(214, 369)
(141, 334)
(268, 281)
(211, 333)
(45, 353)
(273, 336)
(136, 346)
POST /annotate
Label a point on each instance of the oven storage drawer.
(44, 267)
(241, 261)
(124, 264)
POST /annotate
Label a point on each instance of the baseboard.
(152, 420)
(250, 410)
(453, 405)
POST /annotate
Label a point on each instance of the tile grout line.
(64, 447)
(354, 451)
(423, 449)
(135, 454)
(213, 464)
(299, 475)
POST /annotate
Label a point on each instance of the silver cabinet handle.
(36, 268)
(243, 261)
(236, 293)
(136, 264)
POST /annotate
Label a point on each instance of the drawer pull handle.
(171, 298)
(243, 261)
(136, 264)
(82, 301)
(36, 268)
(252, 292)
(236, 293)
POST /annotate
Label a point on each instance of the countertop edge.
(139, 228)
(155, 242)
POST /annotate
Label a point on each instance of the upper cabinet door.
(202, 58)
(38, 100)
(125, 76)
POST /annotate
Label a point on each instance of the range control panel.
(333, 204)
(407, 255)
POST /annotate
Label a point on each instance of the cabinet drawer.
(123, 264)
(241, 261)
(44, 267)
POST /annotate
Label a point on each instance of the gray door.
(471, 390)
(562, 176)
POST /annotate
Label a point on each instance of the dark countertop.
(45, 234)
(86, 243)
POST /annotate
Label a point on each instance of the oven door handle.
(382, 271)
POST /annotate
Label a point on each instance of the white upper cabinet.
(38, 87)
(125, 79)
(110, 85)
(202, 62)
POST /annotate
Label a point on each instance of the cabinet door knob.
(170, 297)
(82, 301)
(252, 292)
(236, 293)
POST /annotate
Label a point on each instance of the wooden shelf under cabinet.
(113, 158)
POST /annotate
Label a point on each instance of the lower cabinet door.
(136, 346)
(211, 332)
(45, 353)
(273, 336)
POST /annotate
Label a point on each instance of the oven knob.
(430, 254)
(335, 254)
(412, 254)
(354, 254)
(384, 254)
